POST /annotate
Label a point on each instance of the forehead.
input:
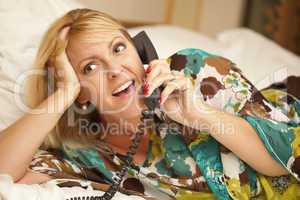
(91, 39)
(85, 44)
(90, 44)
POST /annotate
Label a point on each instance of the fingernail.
(148, 70)
(145, 88)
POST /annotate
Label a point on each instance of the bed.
(260, 59)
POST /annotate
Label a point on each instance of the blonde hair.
(83, 24)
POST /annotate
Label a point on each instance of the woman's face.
(110, 73)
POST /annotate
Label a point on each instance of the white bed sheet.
(49, 191)
(262, 60)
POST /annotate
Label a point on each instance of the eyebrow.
(95, 57)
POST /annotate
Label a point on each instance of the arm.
(19, 142)
(34, 178)
(236, 134)
(220, 84)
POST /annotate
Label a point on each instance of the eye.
(89, 67)
(119, 47)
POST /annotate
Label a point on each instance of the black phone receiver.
(144, 47)
(147, 53)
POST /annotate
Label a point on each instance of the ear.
(144, 47)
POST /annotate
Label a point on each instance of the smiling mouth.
(124, 89)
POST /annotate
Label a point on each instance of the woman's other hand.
(178, 98)
(66, 78)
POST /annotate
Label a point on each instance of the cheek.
(91, 88)
(132, 55)
(135, 64)
(102, 93)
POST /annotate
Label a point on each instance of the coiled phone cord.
(146, 115)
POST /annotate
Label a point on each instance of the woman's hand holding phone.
(177, 99)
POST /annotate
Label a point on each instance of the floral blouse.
(184, 163)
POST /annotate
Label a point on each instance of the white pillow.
(23, 23)
(168, 39)
(262, 60)
(9, 111)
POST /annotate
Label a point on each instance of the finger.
(64, 32)
(152, 74)
(161, 63)
(166, 92)
(190, 100)
(161, 67)
(159, 80)
(61, 45)
(61, 60)
(63, 66)
(177, 73)
(155, 62)
(176, 84)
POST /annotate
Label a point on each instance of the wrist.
(57, 102)
(203, 119)
(65, 97)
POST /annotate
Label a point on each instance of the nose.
(112, 74)
(114, 70)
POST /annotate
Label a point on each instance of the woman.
(221, 133)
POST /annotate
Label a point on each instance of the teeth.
(122, 87)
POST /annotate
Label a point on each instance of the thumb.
(188, 95)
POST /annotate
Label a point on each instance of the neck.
(119, 132)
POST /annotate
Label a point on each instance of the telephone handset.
(147, 53)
